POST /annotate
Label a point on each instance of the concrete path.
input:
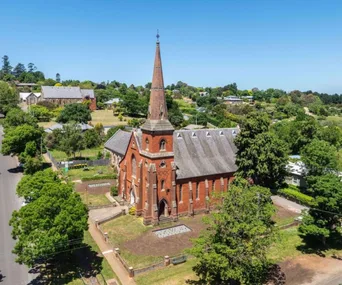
(116, 265)
(287, 204)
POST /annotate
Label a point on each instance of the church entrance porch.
(163, 209)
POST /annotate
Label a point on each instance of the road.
(287, 204)
(14, 274)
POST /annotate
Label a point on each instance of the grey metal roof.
(82, 126)
(62, 92)
(157, 125)
(118, 143)
(204, 152)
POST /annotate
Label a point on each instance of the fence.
(98, 162)
(130, 270)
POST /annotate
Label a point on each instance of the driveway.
(287, 204)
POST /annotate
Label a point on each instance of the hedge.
(99, 177)
(296, 196)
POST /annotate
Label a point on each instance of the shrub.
(99, 177)
(114, 191)
(132, 210)
(296, 196)
(77, 166)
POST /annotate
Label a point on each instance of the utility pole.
(41, 145)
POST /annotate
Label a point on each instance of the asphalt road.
(14, 274)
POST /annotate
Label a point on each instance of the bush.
(132, 211)
(99, 177)
(77, 166)
(114, 191)
(296, 196)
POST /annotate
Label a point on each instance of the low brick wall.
(83, 187)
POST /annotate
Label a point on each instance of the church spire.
(157, 109)
(157, 118)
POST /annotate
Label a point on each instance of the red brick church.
(165, 172)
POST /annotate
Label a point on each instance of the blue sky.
(284, 44)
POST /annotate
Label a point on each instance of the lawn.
(94, 199)
(78, 174)
(106, 271)
(46, 125)
(127, 228)
(89, 153)
(163, 276)
(106, 118)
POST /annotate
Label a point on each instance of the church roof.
(118, 142)
(196, 152)
(204, 152)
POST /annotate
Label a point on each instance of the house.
(167, 173)
(232, 100)
(30, 97)
(296, 172)
(203, 94)
(61, 95)
(112, 102)
(82, 126)
(193, 127)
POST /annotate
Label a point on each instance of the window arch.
(162, 145)
(134, 166)
(147, 144)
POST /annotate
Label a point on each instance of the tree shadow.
(312, 247)
(46, 165)
(275, 275)
(2, 277)
(16, 170)
(83, 262)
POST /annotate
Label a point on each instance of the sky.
(287, 44)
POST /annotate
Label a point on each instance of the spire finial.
(157, 36)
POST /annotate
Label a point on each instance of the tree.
(30, 186)
(18, 70)
(41, 113)
(92, 138)
(17, 117)
(233, 248)
(74, 112)
(15, 139)
(319, 158)
(31, 67)
(72, 140)
(8, 98)
(49, 225)
(322, 223)
(32, 165)
(58, 78)
(261, 155)
(6, 66)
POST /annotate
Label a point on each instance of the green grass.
(184, 104)
(126, 228)
(177, 273)
(106, 118)
(286, 245)
(77, 174)
(89, 153)
(94, 199)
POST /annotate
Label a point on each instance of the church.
(166, 173)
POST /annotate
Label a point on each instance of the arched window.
(180, 198)
(162, 183)
(147, 144)
(134, 166)
(162, 145)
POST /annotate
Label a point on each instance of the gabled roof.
(82, 126)
(62, 92)
(24, 95)
(118, 143)
(204, 152)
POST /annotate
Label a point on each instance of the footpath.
(107, 252)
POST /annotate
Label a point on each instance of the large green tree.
(17, 117)
(15, 139)
(233, 248)
(72, 140)
(261, 155)
(319, 158)
(8, 98)
(322, 224)
(76, 112)
(52, 224)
